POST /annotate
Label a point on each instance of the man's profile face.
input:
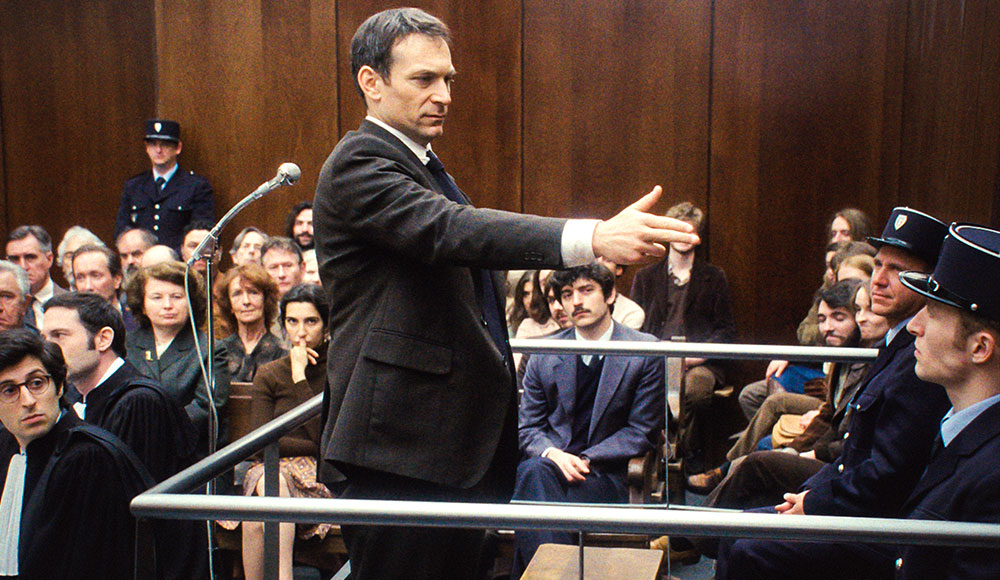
(416, 96)
(585, 303)
(837, 325)
(91, 272)
(284, 268)
(63, 327)
(889, 297)
(30, 416)
(131, 247)
(12, 302)
(163, 154)
(27, 253)
(557, 310)
(302, 228)
(941, 345)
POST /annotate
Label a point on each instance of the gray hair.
(372, 43)
(20, 276)
(37, 232)
(73, 233)
(281, 244)
(243, 234)
(147, 237)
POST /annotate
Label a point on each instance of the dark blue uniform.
(896, 417)
(185, 198)
(962, 483)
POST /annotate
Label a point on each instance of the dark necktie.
(481, 278)
(159, 183)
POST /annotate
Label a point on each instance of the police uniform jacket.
(185, 198)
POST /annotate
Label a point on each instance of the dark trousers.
(540, 479)
(759, 479)
(413, 552)
(759, 559)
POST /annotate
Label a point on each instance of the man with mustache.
(583, 417)
(895, 418)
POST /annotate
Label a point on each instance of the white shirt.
(10, 514)
(603, 338)
(166, 176)
(576, 248)
(81, 406)
(40, 298)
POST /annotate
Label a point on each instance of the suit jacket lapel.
(984, 428)
(564, 371)
(611, 378)
(178, 349)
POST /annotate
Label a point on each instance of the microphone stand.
(288, 174)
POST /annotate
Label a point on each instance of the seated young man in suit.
(958, 346)
(583, 417)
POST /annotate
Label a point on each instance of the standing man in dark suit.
(165, 199)
(889, 434)
(421, 400)
(583, 417)
(958, 346)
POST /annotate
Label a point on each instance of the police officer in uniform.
(165, 199)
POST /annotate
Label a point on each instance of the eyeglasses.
(11, 392)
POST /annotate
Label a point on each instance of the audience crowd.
(125, 385)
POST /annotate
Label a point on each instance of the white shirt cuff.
(578, 242)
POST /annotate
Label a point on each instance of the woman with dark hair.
(280, 386)
(849, 225)
(163, 348)
(519, 308)
(246, 300)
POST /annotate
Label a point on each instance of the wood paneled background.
(769, 114)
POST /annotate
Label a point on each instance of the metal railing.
(173, 498)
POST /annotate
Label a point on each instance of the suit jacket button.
(156, 228)
(840, 468)
(156, 217)
(157, 206)
(899, 563)
(846, 435)
(483, 320)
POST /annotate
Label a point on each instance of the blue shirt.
(953, 422)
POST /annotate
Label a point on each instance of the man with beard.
(299, 225)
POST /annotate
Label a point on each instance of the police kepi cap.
(163, 129)
(967, 274)
(915, 232)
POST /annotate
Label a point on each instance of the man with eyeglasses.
(67, 485)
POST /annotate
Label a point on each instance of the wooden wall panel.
(772, 114)
(253, 84)
(481, 146)
(615, 102)
(803, 106)
(76, 82)
(950, 158)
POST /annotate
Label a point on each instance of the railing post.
(271, 528)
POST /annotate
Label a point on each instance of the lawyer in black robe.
(75, 521)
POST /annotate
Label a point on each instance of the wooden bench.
(560, 562)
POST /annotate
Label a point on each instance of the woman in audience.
(163, 348)
(246, 301)
(521, 305)
(280, 386)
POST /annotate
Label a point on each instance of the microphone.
(288, 174)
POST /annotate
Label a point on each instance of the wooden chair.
(328, 554)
